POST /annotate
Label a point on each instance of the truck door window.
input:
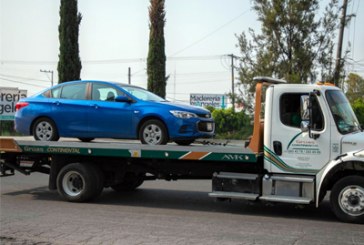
(290, 109)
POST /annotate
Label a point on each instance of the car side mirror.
(122, 98)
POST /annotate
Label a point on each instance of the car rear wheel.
(45, 129)
(153, 132)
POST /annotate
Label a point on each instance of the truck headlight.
(183, 114)
(359, 153)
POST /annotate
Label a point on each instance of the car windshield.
(343, 114)
(142, 94)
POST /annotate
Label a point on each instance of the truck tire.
(153, 132)
(347, 199)
(44, 129)
(130, 182)
(79, 182)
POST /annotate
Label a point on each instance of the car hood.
(351, 142)
(182, 107)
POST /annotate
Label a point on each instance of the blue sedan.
(96, 109)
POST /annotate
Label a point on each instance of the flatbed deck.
(129, 149)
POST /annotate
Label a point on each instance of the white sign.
(8, 99)
(203, 100)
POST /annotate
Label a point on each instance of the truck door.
(290, 150)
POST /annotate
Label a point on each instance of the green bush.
(7, 128)
(231, 125)
(358, 107)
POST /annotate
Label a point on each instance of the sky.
(114, 35)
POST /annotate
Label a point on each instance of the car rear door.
(108, 118)
(69, 109)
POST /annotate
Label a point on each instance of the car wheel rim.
(351, 200)
(152, 134)
(73, 183)
(44, 131)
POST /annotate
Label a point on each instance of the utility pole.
(49, 71)
(338, 63)
(232, 56)
(129, 75)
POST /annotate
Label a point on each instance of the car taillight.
(20, 105)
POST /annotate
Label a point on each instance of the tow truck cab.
(312, 143)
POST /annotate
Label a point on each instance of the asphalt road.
(159, 212)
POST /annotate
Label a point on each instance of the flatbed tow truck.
(306, 142)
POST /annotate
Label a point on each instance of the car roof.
(100, 81)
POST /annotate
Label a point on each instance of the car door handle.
(96, 106)
(56, 102)
(277, 146)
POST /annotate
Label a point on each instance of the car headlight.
(183, 114)
(359, 153)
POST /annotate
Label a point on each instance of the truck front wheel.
(347, 199)
(79, 182)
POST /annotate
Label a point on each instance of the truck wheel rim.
(44, 131)
(351, 200)
(152, 134)
(73, 183)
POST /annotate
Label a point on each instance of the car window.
(142, 94)
(104, 92)
(56, 92)
(74, 91)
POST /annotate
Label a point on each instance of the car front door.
(108, 118)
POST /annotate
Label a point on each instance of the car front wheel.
(153, 132)
(44, 129)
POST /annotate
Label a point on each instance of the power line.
(211, 33)
(111, 61)
(26, 78)
(35, 85)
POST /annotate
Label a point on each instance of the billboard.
(8, 99)
(203, 100)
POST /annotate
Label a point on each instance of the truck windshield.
(344, 116)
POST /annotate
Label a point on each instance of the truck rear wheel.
(347, 199)
(130, 182)
(79, 182)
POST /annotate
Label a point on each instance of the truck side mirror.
(305, 113)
